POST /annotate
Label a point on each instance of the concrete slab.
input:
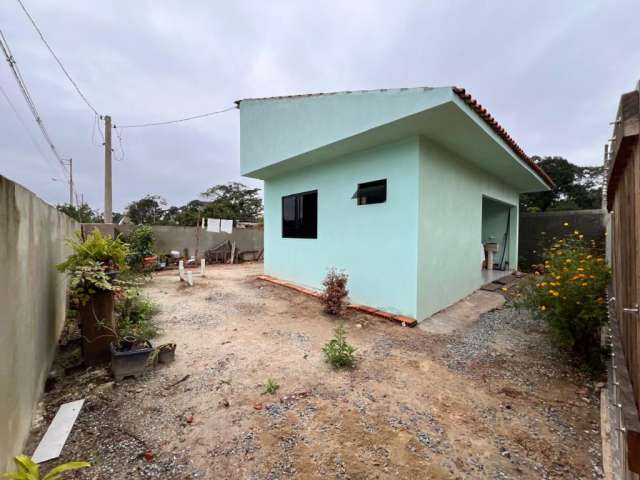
(462, 314)
(56, 435)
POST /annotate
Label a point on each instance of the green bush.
(111, 253)
(88, 266)
(135, 315)
(337, 351)
(141, 242)
(86, 280)
(569, 294)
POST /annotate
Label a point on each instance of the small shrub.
(569, 294)
(141, 243)
(135, 316)
(335, 292)
(270, 387)
(338, 352)
(95, 248)
(86, 280)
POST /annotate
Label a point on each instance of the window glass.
(300, 215)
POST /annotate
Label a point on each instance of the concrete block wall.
(32, 306)
(591, 223)
(174, 237)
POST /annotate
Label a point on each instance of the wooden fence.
(623, 203)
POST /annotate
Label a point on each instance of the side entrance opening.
(497, 242)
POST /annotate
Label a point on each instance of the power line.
(27, 96)
(75, 85)
(167, 122)
(24, 125)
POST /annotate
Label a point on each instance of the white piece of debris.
(56, 435)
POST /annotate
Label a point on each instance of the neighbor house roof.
(483, 115)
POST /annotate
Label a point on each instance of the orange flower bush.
(569, 294)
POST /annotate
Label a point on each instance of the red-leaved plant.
(335, 291)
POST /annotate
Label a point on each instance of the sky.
(551, 72)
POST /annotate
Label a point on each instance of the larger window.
(300, 215)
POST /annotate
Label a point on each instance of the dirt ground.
(493, 401)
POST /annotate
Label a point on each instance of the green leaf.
(27, 466)
(55, 473)
(15, 476)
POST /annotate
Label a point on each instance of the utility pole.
(71, 181)
(69, 162)
(108, 215)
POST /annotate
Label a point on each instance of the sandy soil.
(492, 401)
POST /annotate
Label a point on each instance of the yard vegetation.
(337, 351)
(569, 293)
(141, 242)
(335, 292)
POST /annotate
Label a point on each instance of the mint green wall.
(277, 129)
(450, 226)
(375, 244)
(421, 250)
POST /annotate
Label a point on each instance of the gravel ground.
(493, 401)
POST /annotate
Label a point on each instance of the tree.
(187, 215)
(148, 210)
(577, 187)
(116, 216)
(82, 213)
(234, 201)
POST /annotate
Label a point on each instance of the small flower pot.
(167, 353)
(133, 362)
(149, 263)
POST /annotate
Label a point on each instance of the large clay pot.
(97, 327)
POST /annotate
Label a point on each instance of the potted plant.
(129, 356)
(131, 349)
(167, 353)
(92, 268)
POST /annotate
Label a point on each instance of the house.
(399, 188)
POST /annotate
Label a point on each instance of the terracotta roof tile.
(496, 127)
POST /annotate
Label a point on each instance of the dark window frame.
(379, 197)
(300, 229)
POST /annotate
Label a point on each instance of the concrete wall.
(32, 306)
(170, 237)
(451, 193)
(536, 229)
(375, 244)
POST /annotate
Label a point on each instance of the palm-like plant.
(29, 470)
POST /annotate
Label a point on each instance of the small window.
(300, 215)
(371, 192)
